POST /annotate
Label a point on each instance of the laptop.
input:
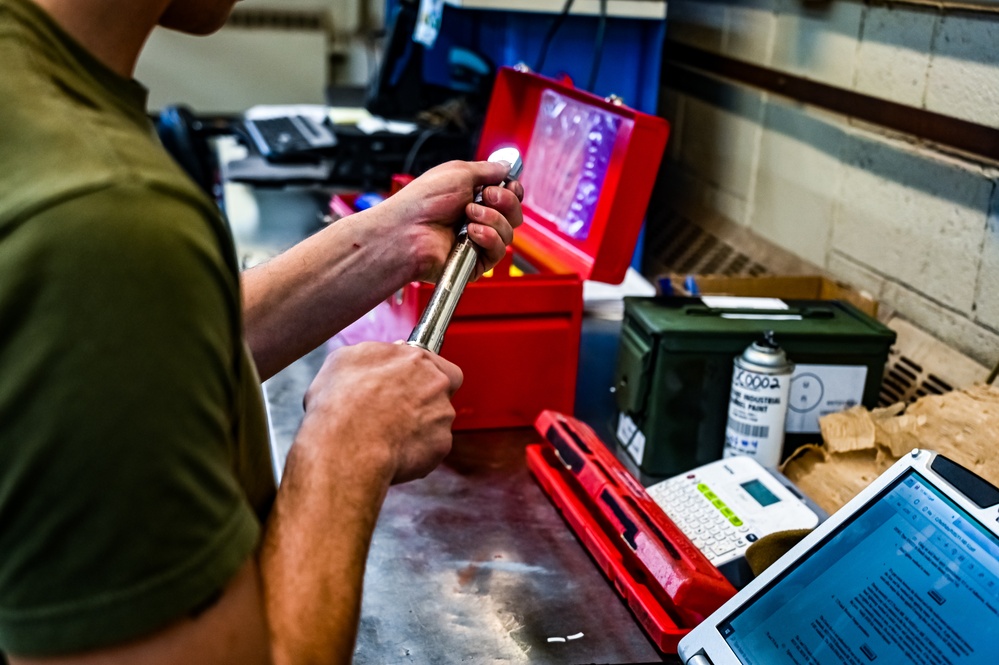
(906, 572)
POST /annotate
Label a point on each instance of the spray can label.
(761, 383)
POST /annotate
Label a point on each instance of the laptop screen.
(913, 578)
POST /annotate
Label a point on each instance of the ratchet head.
(511, 156)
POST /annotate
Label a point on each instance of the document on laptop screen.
(911, 579)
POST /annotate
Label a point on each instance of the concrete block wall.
(946, 63)
(915, 226)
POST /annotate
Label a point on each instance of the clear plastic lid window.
(571, 147)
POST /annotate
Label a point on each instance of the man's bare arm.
(298, 602)
(299, 299)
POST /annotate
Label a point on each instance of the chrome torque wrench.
(429, 332)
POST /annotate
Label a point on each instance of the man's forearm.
(313, 558)
(375, 414)
(299, 299)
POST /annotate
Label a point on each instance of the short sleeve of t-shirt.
(119, 339)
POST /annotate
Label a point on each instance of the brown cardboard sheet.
(790, 287)
(859, 444)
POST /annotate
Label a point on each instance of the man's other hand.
(385, 406)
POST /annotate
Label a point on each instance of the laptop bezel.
(705, 644)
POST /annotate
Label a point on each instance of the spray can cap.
(766, 353)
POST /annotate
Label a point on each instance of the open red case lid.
(589, 168)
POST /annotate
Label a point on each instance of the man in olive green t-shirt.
(138, 517)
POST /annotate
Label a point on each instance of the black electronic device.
(906, 572)
(412, 78)
(294, 138)
(369, 160)
(398, 89)
(185, 137)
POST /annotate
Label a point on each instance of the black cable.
(410, 161)
(598, 46)
(552, 29)
(371, 52)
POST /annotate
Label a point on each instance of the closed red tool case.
(589, 168)
(667, 582)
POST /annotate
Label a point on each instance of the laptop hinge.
(699, 659)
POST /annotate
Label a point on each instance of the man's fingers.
(450, 370)
(488, 173)
(517, 188)
(507, 201)
(482, 219)
(492, 249)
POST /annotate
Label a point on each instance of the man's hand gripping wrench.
(429, 332)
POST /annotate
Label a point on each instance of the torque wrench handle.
(429, 332)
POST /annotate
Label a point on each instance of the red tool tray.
(667, 582)
(516, 336)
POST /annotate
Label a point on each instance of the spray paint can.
(757, 407)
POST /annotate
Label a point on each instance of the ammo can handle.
(803, 312)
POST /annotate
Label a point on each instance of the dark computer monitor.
(412, 78)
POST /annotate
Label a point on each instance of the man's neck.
(114, 31)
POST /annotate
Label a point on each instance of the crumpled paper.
(858, 445)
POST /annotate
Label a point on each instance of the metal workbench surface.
(473, 564)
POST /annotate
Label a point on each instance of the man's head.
(115, 30)
(196, 17)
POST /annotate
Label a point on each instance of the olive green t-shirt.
(134, 467)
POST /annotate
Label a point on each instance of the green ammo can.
(674, 371)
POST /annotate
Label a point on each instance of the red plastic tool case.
(517, 337)
(667, 582)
